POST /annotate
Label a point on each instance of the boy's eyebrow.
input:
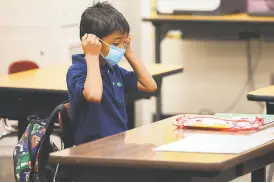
(119, 37)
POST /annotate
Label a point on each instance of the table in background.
(129, 156)
(264, 95)
(39, 91)
(223, 27)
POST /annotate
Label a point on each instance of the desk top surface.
(263, 94)
(134, 148)
(54, 77)
(240, 17)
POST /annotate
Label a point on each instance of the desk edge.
(260, 98)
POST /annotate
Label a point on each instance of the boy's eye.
(115, 44)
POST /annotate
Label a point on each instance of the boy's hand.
(128, 48)
(91, 45)
(146, 82)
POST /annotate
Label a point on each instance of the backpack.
(31, 153)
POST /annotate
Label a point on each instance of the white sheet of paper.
(223, 144)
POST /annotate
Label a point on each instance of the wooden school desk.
(41, 90)
(264, 95)
(130, 157)
(225, 27)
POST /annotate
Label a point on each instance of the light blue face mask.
(115, 54)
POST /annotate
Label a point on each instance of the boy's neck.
(102, 62)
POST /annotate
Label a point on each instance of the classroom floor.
(6, 165)
(6, 149)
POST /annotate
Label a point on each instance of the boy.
(95, 82)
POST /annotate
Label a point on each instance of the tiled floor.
(6, 165)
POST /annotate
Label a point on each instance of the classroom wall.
(39, 30)
(214, 75)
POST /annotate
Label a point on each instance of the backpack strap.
(53, 117)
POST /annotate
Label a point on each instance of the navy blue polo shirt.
(92, 121)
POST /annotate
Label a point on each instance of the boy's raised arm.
(93, 87)
(146, 82)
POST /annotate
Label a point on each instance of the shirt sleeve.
(76, 78)
(130, 80)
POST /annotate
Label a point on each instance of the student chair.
(65, 124)
(22, 65)
(15, 67)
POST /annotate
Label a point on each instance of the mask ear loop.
(105, 44)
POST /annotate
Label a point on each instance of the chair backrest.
(22, 65)
(65, 122)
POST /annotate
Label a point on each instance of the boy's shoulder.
(78, 63)
(79, 60)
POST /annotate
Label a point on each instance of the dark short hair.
(102, 19)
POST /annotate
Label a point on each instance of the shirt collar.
(79, 59)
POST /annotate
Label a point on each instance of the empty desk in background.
(263, 95)
(130, 156)
(223, 27)
(41, 90)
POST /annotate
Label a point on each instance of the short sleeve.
(76, 78)
(130, 80)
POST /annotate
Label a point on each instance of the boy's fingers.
(84, 37)
(93, 37)
(88, 37)
(129, 37)
(127, 41)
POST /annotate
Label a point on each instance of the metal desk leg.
(259, 175)
(270, 107)
(158, 39)
(270, 110)
(270, 173)
(131, 115)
